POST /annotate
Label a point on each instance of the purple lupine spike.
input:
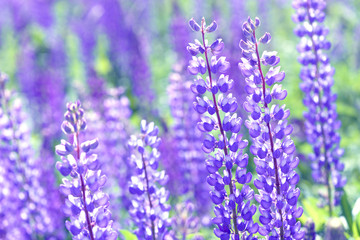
(25, 13)
(321, 122)
(272, 146)
(84, 26)
(109, 121)
(37, 79)
(233, 211)
(25, 211)
(86, 204)
(310, 233)
(188, 177)
(149, 210)
(238, 15)
(116, 25)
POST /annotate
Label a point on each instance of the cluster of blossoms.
(233, 210)
(110, 123)
(272, 146)
(321, 121)
(148, 210)
(86, 204)
(24, 208)
(185, 181)
(190, 174)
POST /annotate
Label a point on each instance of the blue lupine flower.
(184, 151)
(109, 122)
(321, 121)
(233, 211)
(272, 146)
(26, 210)
(86, 204)
(149, 210)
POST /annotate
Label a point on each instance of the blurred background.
(56, 51)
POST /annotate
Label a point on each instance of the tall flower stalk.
(25, 209)
(188, 177)
(109, 122)
(321, 122)
(149, 210)
(233, 211)
(272, 146)
(86, 204)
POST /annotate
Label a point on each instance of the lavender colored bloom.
(310, 233)
(24, 13)
(25, 210)
(272, 146)
(149, 210)
(321, 122)
(131, 42)
(40, 68)
(109, 121)
(37, 80)
(86, 26)
(233, 210)
(86, 204)
(190, 174)
(238, 15)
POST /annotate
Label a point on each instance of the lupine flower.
(310, 233)
(233, 210)
(23, 14)
(37, 79)
(109, 121)
(86, 204)
(238, 15)
(116, 24)
(183, 147)
(272, 146)
(149, 210)
(190, 174)
(25, 210)
(321, 122)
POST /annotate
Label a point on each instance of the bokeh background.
(56, 51)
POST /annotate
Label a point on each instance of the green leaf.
(346, 210)
(128, 235)
(357, 225)
(318, 215)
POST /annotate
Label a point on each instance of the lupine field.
(179, 119)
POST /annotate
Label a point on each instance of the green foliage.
(311, 210)
(346, 210)
(127, 235)
(102, 61)
(8, 52)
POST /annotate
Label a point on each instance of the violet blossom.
(272, 146)
(25, 209)
(149, 209)
(321, 119)
(233, 210)
(86, 204)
